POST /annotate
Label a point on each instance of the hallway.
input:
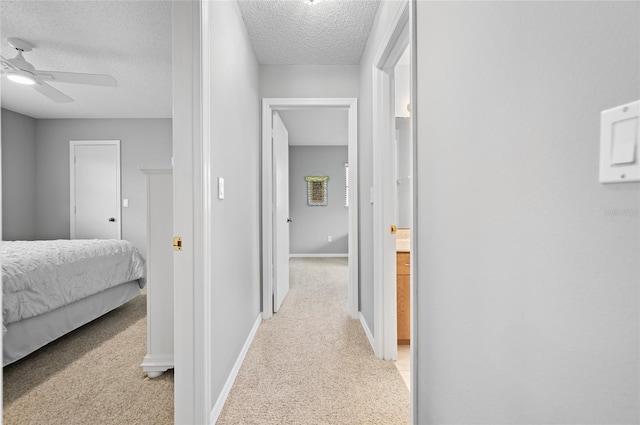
(312, 364)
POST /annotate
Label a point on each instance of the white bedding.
(40, 276)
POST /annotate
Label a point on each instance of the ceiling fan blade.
(51, 93)
(77, 78)
(7, 64)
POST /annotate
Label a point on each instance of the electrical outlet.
(329, 238)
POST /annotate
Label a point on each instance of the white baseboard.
(367, 331)
(318, 255)
(217, 408)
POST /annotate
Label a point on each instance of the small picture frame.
(317, 188)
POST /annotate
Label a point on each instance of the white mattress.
(41, 276)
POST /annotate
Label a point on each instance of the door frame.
(72, 183)
(270, 105)
(392, 47)
(191, 211)
(401, 32)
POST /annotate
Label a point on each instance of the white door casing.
(281, 213)
(94, 189)
(401, 32)
(269, 105)
(191, 46)
(391, 49)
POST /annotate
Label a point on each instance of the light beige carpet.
(90, 376)
(312, 364)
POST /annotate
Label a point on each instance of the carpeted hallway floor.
(90, 376)
(312, 364)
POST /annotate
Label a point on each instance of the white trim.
(353, 237)
(205, 191)
(367, 332)
(415, 225)
(342, 255)
(72, 182)
(190, 405)
(156, 363)
(276, 104)
(217, 408)
(1, 295)
(155, 170)
(267, 211)
(391, 49)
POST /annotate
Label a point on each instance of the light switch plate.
(619, 138)
(220, 188)
(125, 203)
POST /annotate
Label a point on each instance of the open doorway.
(274, 259)
(403, 214)
(387, 58)
(318, 164)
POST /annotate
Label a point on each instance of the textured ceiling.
(291, 32)
(130, 40)
(316, 127)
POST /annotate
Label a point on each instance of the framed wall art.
(317, 187)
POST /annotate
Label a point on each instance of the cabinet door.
(402, 263)
(404, 312)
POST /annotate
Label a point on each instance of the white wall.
(309, 81)
(235, 148)
(527, 283)
(316, 127)
(18, 176)
(144, 143)
(312, 224)
(380, 26)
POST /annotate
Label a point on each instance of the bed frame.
(26, 336)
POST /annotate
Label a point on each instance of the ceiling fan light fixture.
(20, 78)
(312, 2)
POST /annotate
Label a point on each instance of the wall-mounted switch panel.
(220, 188)
(125, 203)
(619, 133)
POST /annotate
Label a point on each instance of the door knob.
(112, 219)
(289, 220)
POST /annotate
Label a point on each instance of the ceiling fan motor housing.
(19, 44)
(20, 62)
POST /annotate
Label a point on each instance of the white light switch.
(220, 188)
(624, 138)
(619, 134)
(125, 203)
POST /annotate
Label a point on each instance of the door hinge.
(177, 243)
(393, 229)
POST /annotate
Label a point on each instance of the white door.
(95, 189)
(281, 216)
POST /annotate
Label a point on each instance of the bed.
(52, 287)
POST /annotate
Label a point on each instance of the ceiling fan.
(20, 71)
